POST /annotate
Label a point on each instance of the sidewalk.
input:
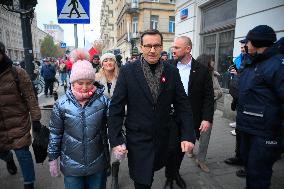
(222, 176)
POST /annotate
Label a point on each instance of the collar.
(179, 64)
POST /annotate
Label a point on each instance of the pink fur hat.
(82, 68)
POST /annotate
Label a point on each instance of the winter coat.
(216, 87)
(147, 123)
(260, 109)
(78, 134)
(16, 110)
(102, 80)
(48, 71)
(68, 65)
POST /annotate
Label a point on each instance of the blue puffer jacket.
(78, 135)
(261, 96)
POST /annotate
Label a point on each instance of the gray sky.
(46, 12)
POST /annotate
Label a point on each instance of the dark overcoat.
(147, 123)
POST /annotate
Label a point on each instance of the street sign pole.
(73, 12)
(84, 35)
(75, 36)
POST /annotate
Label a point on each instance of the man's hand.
(186, 146)
(233, 71)
(204, 126)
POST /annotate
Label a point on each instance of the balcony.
(132, 7)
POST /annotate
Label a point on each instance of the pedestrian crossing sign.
(73, 11)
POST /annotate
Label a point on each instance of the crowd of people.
(152, 109)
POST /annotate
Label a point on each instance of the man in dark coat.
(198, 86)
(260, 110)
(148, 87)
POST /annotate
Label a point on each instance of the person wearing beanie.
(164, 55)
(107, 76)
(108, 73)
(96, 62)
(78, 132)
(260, 107)
(19, 112)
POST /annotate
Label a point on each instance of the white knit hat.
(82, 69)
(107, 55)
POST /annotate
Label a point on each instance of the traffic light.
(6, 2)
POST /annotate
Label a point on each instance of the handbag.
(40, 144)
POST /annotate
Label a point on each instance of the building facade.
(216, 27)
(55, 31)
(108, 26)
(132, 17)
(11, 35)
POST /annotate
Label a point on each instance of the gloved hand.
(53, 168)
(36, 126)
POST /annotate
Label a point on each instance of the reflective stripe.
(253, 114)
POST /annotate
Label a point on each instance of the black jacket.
(147, 124)
(200, 94)
(261, 96)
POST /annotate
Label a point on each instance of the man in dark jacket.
(48, 73)
(260, 111)
(148, 87)
(198, 86)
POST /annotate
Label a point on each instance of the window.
(154, 22)
(135, 24)
(134, 4)
(217, 34)
(172, 24)
(221, 45)
(172, 1)
(154, 0)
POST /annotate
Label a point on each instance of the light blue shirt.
(184, 72)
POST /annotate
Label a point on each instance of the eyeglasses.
(149, 47)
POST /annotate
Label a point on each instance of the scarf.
(82, 97)
(153, 80)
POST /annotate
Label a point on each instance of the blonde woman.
(107, 76)
(108, 73)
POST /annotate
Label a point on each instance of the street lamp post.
(26, 10)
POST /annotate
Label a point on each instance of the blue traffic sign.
(63, 45)
(73, 11)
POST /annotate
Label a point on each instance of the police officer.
(260, 111)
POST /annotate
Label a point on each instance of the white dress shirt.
(184, 71)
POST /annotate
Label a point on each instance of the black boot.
(29, 186)
(168, 184)
(11, 167)
(114, 175)
(180, 182)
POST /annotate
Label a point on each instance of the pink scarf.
(83, 97)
